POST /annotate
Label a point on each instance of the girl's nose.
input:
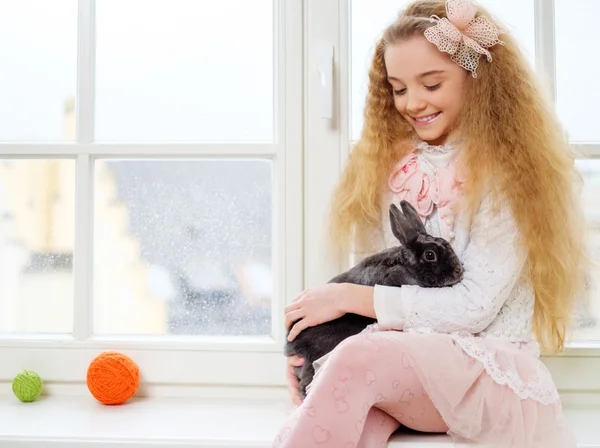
(415, 105)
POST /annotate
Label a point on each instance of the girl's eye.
(432, 88)
(400, 92)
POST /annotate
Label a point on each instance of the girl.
(455, 124)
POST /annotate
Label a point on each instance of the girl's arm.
(493, 263)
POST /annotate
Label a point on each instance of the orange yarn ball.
(113, 378)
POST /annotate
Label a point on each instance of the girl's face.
(428, 87)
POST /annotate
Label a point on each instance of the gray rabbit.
(421, 260)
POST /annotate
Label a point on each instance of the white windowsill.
(72, 422)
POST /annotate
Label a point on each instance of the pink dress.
(471, 345)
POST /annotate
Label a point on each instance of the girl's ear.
(401, 228)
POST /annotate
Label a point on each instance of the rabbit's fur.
(421, 260)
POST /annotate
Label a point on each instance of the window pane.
(589, 319)
(577, 68)
(518, 18)
(184, 70)
(38, 50)
(183, 247)
(368, 22)
(37, 206)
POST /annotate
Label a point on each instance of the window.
(35, 95)
(37, 206)
(556, 45)
(166, 167)
(576, 72)
(150, 186)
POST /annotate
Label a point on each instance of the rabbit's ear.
(401, 228)
(412, 216)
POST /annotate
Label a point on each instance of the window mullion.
(82, 253)
(288, 193)
(588, 151)
(323, 137)
(545, 43)
(344, 73)
(86, 55)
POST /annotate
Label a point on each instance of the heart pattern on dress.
(320, 435)
(342, 406)
(407, 397)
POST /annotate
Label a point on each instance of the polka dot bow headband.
(462, 35)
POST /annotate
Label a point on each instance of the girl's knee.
(356, 351)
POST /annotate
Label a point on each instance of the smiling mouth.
(424, 121)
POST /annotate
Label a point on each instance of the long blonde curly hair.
(513, 140)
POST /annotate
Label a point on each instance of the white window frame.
(173, 364)
(328, 143)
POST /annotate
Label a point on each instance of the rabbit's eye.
(430, 255)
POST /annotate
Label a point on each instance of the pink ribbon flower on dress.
(424, 191)
(462, 35)
(410, 184)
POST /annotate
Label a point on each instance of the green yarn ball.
(27, 386)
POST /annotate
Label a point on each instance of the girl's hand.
(292, 380)
(315, 306)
